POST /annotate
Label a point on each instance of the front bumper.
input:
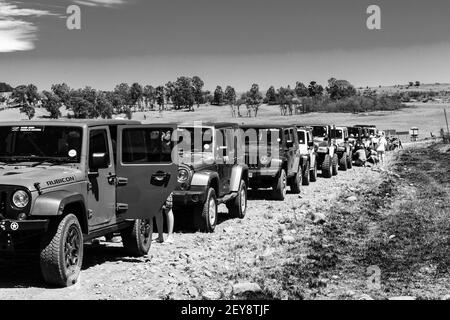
(262, 173)
(188, 197)
(16, 226)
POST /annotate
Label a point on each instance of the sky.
(232, 42)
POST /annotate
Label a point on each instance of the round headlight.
(183, 175)
(265, 160)
(20, 199)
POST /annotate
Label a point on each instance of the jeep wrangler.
(344, 148)
(210, 173)
(308, 155)
(327, 158)
(65, 183)
(273, 157)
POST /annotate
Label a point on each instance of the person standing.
(167, 210)
(381, 148)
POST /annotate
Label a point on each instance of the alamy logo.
(374, 20)
(73, 21)
(374, 278)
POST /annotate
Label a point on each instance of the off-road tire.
(313, 173)
(350, 160)
(306, 174)
(326, 167)
(343, 162)
(335, 165)
(63, 238)
(238, 206)
(204, 219)
(137, 238)
(296, 181)
(279, 190)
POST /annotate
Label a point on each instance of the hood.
(197, 160)
(46, 176)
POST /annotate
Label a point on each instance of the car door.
(101, 197)
(225, 158)
(289, 150)
(146, 172)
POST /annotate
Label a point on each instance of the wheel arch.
(59, 203)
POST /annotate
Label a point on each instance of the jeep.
(273, 157)
(66, 183)
(210, 173)
(327, 158)
(308, 155)
(371, 129)
(344, 148)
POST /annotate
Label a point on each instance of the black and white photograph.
(211, 153)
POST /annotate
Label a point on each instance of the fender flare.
(238, 173)
(205, 178)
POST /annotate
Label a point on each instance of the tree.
(169, 91)
(218, 96)
(136, 94)
(149, 96)
(32, 94)
(62, 91)
(253, 100)
(285, 97)
(20, 96)
(230, 98)
(52, 103)
(417, 84)
(315, 89)
(339, 89)
(103, 107)
(159, 96)
(198, 93)
(123, 90)
(301, 90)
(271, 96)
(183, 93)
(82, 108)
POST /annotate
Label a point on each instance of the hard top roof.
(209, 124)
(266, 126)
(70, 122)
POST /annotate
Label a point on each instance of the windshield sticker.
(59, 181)
(73, 153)
(27, 129)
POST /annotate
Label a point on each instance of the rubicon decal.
(61, 180)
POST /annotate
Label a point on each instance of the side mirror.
(310, 143)
(98, 160)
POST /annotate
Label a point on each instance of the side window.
(98, 143)
(147, 145)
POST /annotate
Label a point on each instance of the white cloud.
(97, 3)
(17, 34)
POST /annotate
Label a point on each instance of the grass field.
(427, 117)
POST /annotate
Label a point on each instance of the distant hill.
(435, 87)
(4, 87)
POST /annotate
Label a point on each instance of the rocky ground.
(281, 250)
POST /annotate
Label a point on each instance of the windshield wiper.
(54, 161)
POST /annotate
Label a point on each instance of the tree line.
(186, 93)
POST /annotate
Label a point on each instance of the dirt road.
(199, 265)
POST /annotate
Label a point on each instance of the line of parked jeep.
(64, 183)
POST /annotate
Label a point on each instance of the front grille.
(252, 161)
(3, 199)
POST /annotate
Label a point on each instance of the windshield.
(301, 137)
(337, 134)
(262, 136)
(353, 131)
(319, 131)
(40, 143)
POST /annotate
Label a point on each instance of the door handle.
(159, 178)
